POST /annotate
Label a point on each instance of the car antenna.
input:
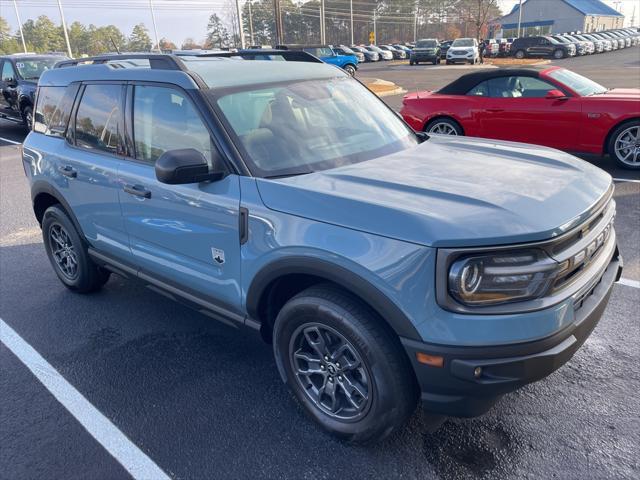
(114, 45)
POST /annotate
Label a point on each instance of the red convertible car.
(553, 106)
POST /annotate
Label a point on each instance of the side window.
(8, 73)
(480, 90)
(53, 109)
(98, 118)
(504, 87)
(165, 119)
(531, 87)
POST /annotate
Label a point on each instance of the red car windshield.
(579, 84)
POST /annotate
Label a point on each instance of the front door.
(517, 110)
(186, 236)
(8, 87)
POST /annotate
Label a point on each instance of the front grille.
(582, 248)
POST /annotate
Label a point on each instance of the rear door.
(85, 163)
(186, 236)
(516, 109)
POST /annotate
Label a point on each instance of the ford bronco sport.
(386, 267)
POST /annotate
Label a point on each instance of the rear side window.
(53, 109)
(165, 119)
(98, 118)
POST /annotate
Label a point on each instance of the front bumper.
(424, 56)
(456, 389)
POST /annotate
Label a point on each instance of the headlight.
(492, 279)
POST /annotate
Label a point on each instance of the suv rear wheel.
(350, 69)
(558, 54)
(344, 367)
(68, 254)
(519, 54)
(27, 116)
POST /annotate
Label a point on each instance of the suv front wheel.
(68, 254)
(344, 367)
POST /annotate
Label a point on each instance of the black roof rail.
(256, 53)
(157, 61)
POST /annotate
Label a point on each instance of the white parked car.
(463, 50)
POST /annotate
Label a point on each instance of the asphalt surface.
(204, 400)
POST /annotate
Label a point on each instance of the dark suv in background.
(426, 50)
(18, 80)
(541, 47)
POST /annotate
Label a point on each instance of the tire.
(310, 325)
(86, 276)
(519, 54)
(27, 116)
(411, 62)
(448, 62)
(626, 157)
(445, 126)
(434, 62)
(350, 69)
(558, 54)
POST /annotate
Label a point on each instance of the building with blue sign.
(543, 17)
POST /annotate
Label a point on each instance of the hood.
(625, 93)
(449, 191)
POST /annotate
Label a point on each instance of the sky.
(176, 19)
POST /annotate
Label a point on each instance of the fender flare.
(329, 271)
(40, 186)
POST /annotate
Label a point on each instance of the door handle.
(137, 190)
(495, 110)
(68, 171)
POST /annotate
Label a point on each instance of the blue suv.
(384, 266)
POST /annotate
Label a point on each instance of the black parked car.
(426, 50)
(444, 47)
(541, 47)
(18, 80)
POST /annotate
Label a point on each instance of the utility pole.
(251, 25)
(633, 17)
(279, 29)
(351, 14)
(155, 28)
(240, 28)
(24, 45)
(415, 25)
(375, 30)
(64, 29)
(519, 17)
(322, 31)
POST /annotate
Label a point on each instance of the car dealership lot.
(203, 400)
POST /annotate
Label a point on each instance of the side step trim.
(208, 308)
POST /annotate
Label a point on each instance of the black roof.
(258, 53)
(466, 82)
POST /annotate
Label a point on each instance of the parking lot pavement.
(204, 400)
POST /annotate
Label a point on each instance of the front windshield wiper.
(285, 175)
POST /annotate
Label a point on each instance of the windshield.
(553, 40)
(32, 68)
(463, 42)
(577, 83)
(302, 127)
(373, 48)
(347, 50)
(426, 44)
(562, 39)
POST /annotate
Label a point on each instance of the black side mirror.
(187, 165)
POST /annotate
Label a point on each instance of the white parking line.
(629, 283)
(10, 141)
(134, 460)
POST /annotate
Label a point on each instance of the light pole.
(322, 31)
(251, 25)
(153, 21)
(519, 17)
(375, 30)
(351, 14)
(240, 29)
(64, 29)
(24, 45)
